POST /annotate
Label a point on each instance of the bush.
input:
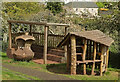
(4, 46)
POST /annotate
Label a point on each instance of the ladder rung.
(78, 53)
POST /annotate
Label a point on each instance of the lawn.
(12, 75)
(60, 69)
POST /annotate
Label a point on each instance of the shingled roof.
(94, 35)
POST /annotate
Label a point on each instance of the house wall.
(92, 11)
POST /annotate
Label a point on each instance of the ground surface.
(35, 73)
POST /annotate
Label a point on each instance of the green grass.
(60, 69)
(12, 75)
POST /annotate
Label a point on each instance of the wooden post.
(30, 29)
(68, 56)
(107, 58)
(87, 50)
(94, 57)
(10, 38)
(45, 44)
(101, 64)
(73, 55)
(84, 54)
(65, 47)
(90, 45)
(96, 65)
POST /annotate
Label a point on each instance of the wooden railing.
(53, 40)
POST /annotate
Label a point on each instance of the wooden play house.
(87, 49)
(44, 42)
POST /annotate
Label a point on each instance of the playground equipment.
(87, 48)
(45, 44)
(24, 51)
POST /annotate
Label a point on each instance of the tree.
(119, 5)
(55, 7)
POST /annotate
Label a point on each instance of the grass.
(12, 75)
(60, 69)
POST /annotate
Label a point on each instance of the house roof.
(94, 35)
(82, 5)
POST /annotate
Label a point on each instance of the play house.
(87, 49)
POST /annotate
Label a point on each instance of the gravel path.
(35, 73)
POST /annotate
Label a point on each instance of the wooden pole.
(84, 54)
(87, 50)
(45, 44)
(65, 47)
(10, 38)
(101, 64)
(68, 56)
(94, 57)
(107, 58)
(30, 29)
(73, 55)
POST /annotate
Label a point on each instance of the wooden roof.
(38, 23)
(94, 35)
(25, 37)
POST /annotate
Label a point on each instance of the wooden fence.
(53, 40)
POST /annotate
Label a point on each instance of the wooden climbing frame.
(31, 23)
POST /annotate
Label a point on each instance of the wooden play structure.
(44, 45)
(24, 51)
(87, 49)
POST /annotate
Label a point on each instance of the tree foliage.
(18, 11)
(55, 7)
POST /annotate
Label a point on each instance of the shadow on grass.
(58, 68)
(114, 60)
(61, 69)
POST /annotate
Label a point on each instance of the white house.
(86, 8)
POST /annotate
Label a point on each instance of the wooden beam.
(94, 57)
(107, 58)
(45, 44)
(10, 38)
(73, 55)
(27, 22)
(38, 23)
(57, 24)
(84, 54)
(101, 64)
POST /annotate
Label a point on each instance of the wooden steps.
(54, 57)
(57, 52)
